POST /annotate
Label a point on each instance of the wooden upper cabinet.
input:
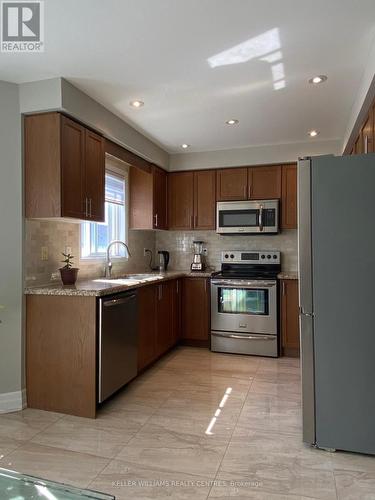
(141, 212)
(290, 317)
(289, 197)
(181, 200)
(368, 133)
(159, 198)
(64, 169)
(231, 184)
(192, 199)
(74, 203)
(94, 175)
(204, 199)
(148, 198)
(264, 182)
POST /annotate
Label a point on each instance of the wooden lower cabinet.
(158, 320)
(146, 326)
(61, 346)
(290, 339)
(195, 311)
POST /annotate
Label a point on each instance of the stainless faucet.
(108, 265)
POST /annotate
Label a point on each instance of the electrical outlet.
(44, 253)
(145, 251)
(55, 276)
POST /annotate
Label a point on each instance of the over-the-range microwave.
(247, 217)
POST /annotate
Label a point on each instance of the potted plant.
(68, 272)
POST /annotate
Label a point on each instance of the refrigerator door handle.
(304, 313)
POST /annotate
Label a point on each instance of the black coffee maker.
(163, 260)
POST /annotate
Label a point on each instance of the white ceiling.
(163, 52)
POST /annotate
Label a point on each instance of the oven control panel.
(251, 256)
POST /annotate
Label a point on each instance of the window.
(96, 236)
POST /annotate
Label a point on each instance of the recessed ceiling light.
(313, 133)
(185, 146)
(232, 121)
(318, 79)
(136, 104)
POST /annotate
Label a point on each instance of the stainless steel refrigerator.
(336, 240)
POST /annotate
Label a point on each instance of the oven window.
(238, 218)
(243, 301)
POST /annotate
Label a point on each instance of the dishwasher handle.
(117, 302)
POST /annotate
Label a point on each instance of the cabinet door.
(180, 200)
(368, 133)
(231, 184)
(195, 310)
(264, 182)
(72, 169)
(358, 144)
(141, 199)
(204, 199)
(94, 176)
(164, 327)
(289, 197)
(289, 317)
(146, 326)
(176, 334)
(160, 198)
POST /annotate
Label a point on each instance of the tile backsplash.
(180, 246)
(56, 236)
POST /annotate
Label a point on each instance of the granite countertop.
(288, 275)
(99, 287)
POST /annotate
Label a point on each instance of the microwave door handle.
(261, 218)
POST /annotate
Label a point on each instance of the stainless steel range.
(244, 317)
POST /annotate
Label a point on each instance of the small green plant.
(68, 261)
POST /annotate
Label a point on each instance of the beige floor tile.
(172, 447)
(353, 461)
(127, 481)
(241, 488)
(97, 437)
(260, 446)
(272, 414)
(7, 445)
(25, 424)
(355, 485)
(286, 478)
(284, 390)
(68, 467)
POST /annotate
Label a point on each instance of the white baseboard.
(12, 401)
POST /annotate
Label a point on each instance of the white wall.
(59, 94)
(255, 155)
(11, 230)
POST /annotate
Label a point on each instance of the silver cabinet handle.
(156, 220)
(177, 287)
(261, 218)
(283, 287)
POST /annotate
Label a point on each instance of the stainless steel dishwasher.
(118, 342)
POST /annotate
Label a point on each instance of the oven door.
(244, 306)
(247, 217)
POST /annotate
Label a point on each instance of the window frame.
(119, 168)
